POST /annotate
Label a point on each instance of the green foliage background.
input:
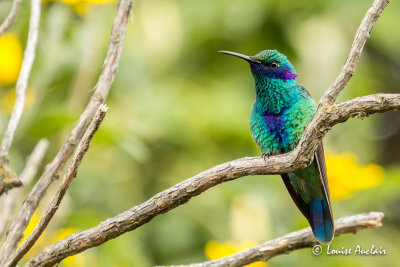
(177, 107)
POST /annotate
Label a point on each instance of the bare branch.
(68, 178)
(33, 162)
(22, 82)
(103, 85)
(182, 192)
(26, 176)
(293, 241)
(11, 17)
(9, 179)
(362, 34)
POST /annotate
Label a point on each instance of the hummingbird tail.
(320, 219)
(317, 212)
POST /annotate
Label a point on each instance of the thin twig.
(22, 82)
(103, 85)
(9, 179)
(11, 17)
(362, 34)
(293, 241)
(28, 173)
(68, 178)
(316, 129)
(33, 162)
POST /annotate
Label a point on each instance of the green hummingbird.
(282, 110)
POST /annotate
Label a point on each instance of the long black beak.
(247, 58)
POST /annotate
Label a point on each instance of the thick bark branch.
(52, 170)
(11, 17)
(293, 241)
(182, 192)
(68, 178)
(9, 179)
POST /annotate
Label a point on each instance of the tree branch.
(182, 192)
(68, 178)
(327, 115)
(293, 241)
(9, 179)
(362, 34)
(11, 17)
(51, 171)
(28, 173)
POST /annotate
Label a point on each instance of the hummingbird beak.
(247, 58)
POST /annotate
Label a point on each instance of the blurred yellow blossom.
(41, 242)
(31, 226)
(73, 261)
(10, 58)
(7, 100)
(346, 177)
(215, 250)
(81, 6)
(50, 236)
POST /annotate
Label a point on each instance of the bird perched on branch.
(282, 110)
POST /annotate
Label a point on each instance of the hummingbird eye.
(275, 64)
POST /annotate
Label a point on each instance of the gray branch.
(52, 170)
(293, 241)
(11, 17)
(9, 179)
(68, 178)
(8, 204)
(182, 192)
(362, 34)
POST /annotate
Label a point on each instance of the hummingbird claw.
(265, 156)
(295, 143)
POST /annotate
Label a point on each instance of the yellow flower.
(7, 100)
(215, 250)
(31, 226)
(52, 237)
(41, 242)
(81, 6)
(10, 58)
(346, 177)
(73, 261)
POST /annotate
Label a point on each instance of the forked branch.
(184, 191)
(52, 170)
(8, 179)
(11, 17)
(67, 180)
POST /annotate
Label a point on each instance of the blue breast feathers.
(276, 127)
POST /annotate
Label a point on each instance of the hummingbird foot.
(295, 143)
(265, 156)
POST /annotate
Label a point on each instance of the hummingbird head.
(268, 63)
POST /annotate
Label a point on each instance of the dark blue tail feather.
(316, 211)
(321, 220)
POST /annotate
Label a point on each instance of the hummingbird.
(282, 110)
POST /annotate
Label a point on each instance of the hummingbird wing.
(309, 190)
(320, 159)
(321, 218)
